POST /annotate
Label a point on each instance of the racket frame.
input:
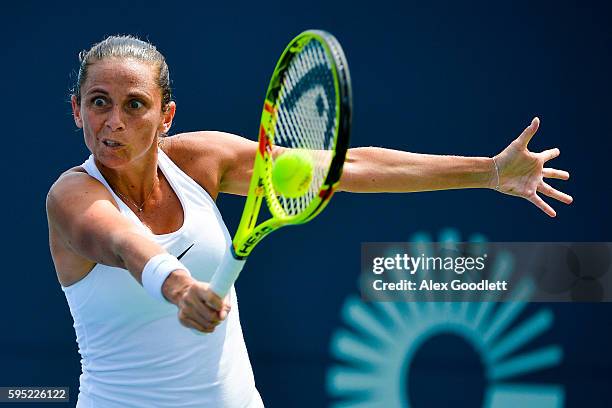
(248, 235)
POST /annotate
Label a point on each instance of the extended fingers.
(529, 131)
(542, 205)
(551, 192)
(550, 154)
(556, 174)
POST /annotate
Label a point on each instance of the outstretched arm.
(514, 171)
(379, 170)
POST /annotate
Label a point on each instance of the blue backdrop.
(431, 77)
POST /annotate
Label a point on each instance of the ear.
(76, 112)
(168, 116)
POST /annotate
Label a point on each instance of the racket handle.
(224, 277)
(226, 274)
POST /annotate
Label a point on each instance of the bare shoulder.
(204, 145)
(71, 191)
(209, 157)
(74, 184)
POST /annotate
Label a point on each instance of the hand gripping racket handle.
(224, 277)
(226, 274)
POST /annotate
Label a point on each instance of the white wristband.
(156, 271)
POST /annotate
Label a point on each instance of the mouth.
(111, 143)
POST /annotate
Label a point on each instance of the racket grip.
(226, 274)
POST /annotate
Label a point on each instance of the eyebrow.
(133, 94)
(96, 90)
(138, 95)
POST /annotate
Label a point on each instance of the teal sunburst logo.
(376, 352)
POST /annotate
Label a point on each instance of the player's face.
(120, 111)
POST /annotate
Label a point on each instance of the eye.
(98, 101)
(135, 104)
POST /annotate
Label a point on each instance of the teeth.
(111, 143)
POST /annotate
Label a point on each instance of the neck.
(136, 180)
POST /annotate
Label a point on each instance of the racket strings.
(303, 120)
(306, 116)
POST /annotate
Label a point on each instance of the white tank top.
(134, 351)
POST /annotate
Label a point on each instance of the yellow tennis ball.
(292, 173)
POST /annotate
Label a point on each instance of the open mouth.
(111, 143)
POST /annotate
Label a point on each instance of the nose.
(114, 121)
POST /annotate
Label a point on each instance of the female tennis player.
(135, 234)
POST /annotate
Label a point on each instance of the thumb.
(529, 131)
(212, 300)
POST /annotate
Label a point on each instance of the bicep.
(236, 166)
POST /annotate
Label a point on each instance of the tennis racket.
(307, 107)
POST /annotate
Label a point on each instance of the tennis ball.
(292, 173)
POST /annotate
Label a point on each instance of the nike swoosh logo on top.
(185, 251)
